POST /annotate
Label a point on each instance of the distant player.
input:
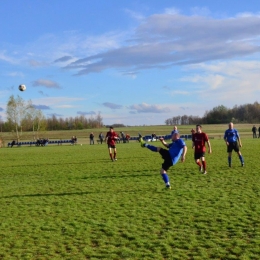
(199, 140)
(111, 138)
(174, 130)
(233, 142)
(176, 150)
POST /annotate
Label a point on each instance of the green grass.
(216, 131)
(72, 202)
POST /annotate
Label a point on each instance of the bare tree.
(16, 111)
(34, 118)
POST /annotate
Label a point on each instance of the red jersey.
(199, 140)
(111, 138)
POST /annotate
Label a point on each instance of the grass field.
(72, 202)
(215, 131)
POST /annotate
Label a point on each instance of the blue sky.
(134, 62)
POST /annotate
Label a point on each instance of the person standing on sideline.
(101, 138)
(91, 138)
(254, 131)
(176, 150)
(258, 131)
(199, 139)
(233, 142)
(111, 138)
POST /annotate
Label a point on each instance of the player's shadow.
(76, 193)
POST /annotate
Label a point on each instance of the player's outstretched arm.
(163, 142)
(209, 146)
(239, 141)
(184, 153)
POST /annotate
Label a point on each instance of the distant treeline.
(249, 113)
(55, 123)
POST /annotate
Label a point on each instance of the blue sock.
(151, 147)
(241, 158)
(229, 160)
(165, 177)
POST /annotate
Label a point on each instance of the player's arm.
(239, 141)
(209, 146)
(225, 139)
(184, 153)
(163, 142)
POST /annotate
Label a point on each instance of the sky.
(134, 62)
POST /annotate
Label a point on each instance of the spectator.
(153, 137)
(38, 142)
(254, 131)
(101, 138)
(258, 131)
(123, 136)
(127, 137)
(45, 141)
(91, 138)
(12, 143)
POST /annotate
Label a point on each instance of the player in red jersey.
(199, 139)
(110, 139)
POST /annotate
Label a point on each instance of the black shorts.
(197, 156)
(167, 159)
(111, 146)
(232, 146)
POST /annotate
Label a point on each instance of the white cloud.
(161, 41)
(180, 92)
(45, 83)
(147, 108)
(16, 74)
(112, 105)
(135, 15)
(172, 10)
(35, 63)
(7, 58)
(57, 101)
(231, 82)
(200, 11)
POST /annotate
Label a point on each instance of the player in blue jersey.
(233, 142)
(175, 130)
(176, 149)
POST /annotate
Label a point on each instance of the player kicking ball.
(176, 149)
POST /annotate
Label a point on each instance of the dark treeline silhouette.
(248, 113)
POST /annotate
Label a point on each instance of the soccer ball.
(22, 87)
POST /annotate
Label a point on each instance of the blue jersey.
(231, 135)
(175, 150)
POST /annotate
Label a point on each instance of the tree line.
(247, 113)
(23, 116)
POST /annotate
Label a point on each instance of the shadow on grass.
(108, 160)
(118, 176)
(77, 193)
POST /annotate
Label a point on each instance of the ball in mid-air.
(22, 87)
